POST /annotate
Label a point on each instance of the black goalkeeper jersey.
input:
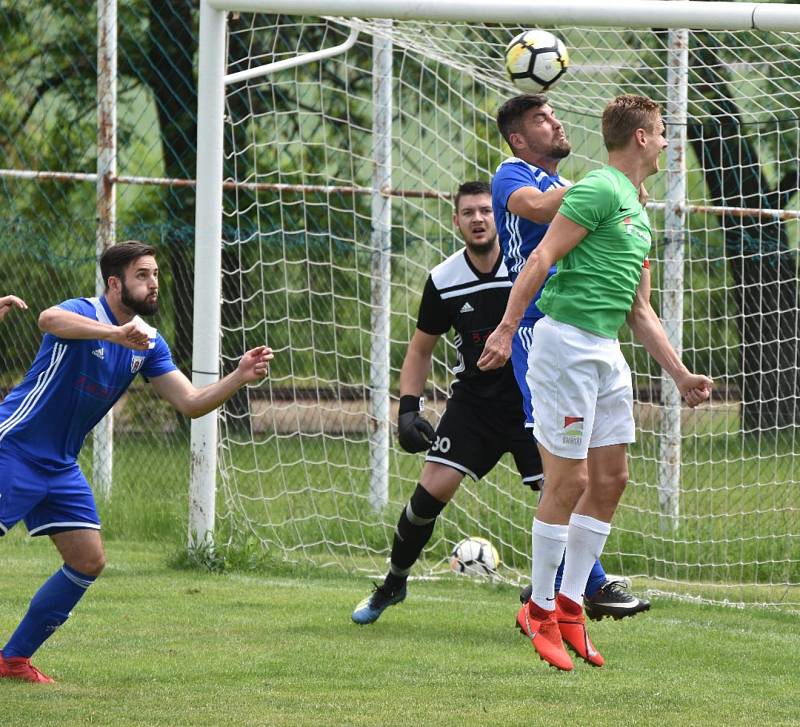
(458, 296)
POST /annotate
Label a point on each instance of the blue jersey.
(70, 386)
(520, 236)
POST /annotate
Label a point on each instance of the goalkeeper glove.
(414, 431)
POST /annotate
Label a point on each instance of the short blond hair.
(625, 114)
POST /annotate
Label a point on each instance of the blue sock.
(49, 609)
(560, 573)
(596, 578)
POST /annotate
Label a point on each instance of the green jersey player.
(580, 383)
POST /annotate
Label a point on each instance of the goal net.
(329, 232)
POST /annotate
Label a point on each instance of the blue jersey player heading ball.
(92, 350)
(527, 192)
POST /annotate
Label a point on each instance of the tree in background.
(763, 267)
(739, 146)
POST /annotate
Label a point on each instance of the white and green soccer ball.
(535, 60)
(475, 557)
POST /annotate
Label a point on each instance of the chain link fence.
(50, 139)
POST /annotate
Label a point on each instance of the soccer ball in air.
(474, 556)
(535, 60)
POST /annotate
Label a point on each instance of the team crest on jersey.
(136, 363)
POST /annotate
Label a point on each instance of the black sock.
(413, 531)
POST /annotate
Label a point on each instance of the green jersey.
(596, 282)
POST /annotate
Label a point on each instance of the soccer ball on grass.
(475, 556)
(535, 60)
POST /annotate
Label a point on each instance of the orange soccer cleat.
(572, 625)
(544, 635)
(20, 667)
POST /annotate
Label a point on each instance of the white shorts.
(581, 390)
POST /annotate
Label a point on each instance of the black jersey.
(458, 296)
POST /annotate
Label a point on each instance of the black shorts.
(471, 437)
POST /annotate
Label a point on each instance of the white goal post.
(455, 48)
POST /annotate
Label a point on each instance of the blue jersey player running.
(92, 350)
(526, 194)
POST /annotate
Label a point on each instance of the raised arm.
(649, 331)
(69, 325)
(175, 388)
(8, 302)
(561, 237)
(535, 205)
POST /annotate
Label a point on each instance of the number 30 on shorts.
(442, 444)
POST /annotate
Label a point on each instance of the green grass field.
(307, 496)
(152, 645)
(269, 643)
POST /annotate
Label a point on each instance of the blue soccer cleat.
(370, 609)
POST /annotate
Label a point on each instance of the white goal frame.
(676, 15)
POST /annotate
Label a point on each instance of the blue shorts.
(520, 348)
(49, 499)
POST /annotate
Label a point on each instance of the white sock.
(587, 537)
(548, 543)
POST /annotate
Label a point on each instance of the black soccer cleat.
(370, 609)
(613, 599)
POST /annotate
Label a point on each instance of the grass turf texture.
(310, 499)
(154, 645)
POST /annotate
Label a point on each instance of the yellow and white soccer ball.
(475, 557)
(535, 60)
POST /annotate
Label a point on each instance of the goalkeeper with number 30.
(484, 416)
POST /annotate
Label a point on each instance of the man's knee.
(90, 564)
(440, 481)
(82, 550)
(564, 489)
(612, 481)
(604, 492)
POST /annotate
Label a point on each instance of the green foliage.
(312, 126)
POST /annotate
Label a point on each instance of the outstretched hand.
(254, 365)
(695, 388)
(7, 302)
(497, 349)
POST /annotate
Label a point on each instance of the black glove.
(414, 431)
